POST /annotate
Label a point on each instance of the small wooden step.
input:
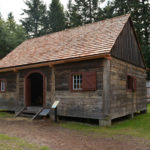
(30, 112)
(18, 113)
(34, 109)
(26, 115)
(33, 112)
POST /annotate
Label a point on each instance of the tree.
(106, 12)
(83, 11)
(11, 22)
(73, 17)
(56, 16)
(35, 22)
(11, 35)
(140, 13)
(143, 26)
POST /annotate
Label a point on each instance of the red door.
(28, 92)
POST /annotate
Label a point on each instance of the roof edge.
(52, 63)
(137, 40)
(129, 16)
(80, 26)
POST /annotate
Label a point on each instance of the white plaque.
(55, 104)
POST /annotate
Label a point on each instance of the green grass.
(139, 127)
(13, 143)
(5, 115)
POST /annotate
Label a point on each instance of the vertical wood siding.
(126, 47)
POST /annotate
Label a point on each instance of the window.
(83, 81)
(2, 85)
(77, 82)
(131, 83)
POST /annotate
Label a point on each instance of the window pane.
(130, 82)
(2, 85)
(77, 82)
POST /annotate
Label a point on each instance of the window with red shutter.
(83, 81)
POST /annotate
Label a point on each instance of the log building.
(97, 71)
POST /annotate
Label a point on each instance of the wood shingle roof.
(88, 40)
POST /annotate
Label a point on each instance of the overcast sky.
(16, 6)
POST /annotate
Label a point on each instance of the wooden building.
(97, 71)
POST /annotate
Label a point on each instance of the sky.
(16, 6)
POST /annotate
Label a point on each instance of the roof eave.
(56, 62)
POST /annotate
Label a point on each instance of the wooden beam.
(15, 70)
(51, 64)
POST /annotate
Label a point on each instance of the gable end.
(127, 48)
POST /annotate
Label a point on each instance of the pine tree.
(106, 12)
(11, 22)
(11, 35)
(36, 19)
(143, 25)
(83, 12)
(56, 16)
(73, 17)
(140, 13)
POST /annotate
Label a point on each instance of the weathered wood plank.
(123, 101)
(126, 47)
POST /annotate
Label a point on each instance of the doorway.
(34, 90)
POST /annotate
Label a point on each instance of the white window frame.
(77, 82)
(3, 85)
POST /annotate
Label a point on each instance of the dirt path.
(58, 138)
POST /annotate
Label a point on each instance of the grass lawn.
(139, 127)
(5, 115)
(13, 143)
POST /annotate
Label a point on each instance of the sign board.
(45, 112)
(55, 104)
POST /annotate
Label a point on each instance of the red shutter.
(71, 82)
(0, 85)
(134, 83)
(89, 81)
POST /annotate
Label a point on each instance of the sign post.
(56, 114)
(54, 106)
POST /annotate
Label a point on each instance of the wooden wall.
(87, 104)
(124, 102)
(8, 99)
(110, 100)
(126, 47)
(84, 104)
